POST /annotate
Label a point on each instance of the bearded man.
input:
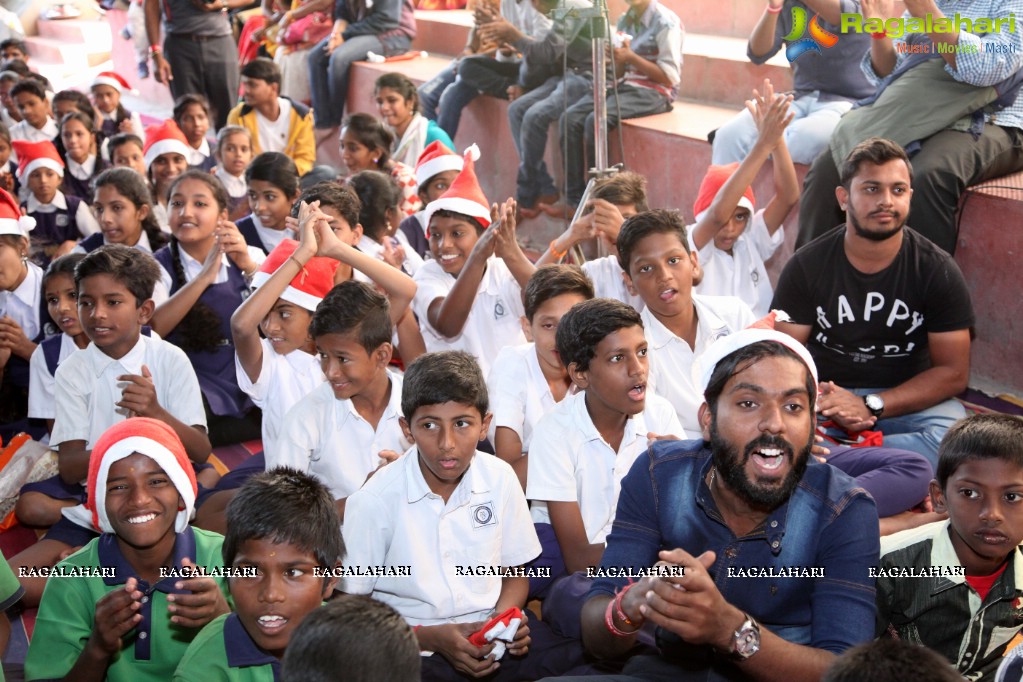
(885, 313)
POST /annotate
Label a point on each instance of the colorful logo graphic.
(819, 37)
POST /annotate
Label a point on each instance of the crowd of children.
(443, 426)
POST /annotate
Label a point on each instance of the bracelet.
(618, 606)
(610, 623)
(297, 262)
(880, 35)
(774, 10)
(554, 250)
(155, 50)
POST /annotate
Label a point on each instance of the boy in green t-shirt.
(126, 605)
(283, 543)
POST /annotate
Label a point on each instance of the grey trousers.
(206, 67)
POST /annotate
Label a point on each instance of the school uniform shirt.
(261, 237)
(200, 157)
(493, 321)
(673, 374)
(87, 224)
(328, 438)
(519, 393)
(162, 219)
(606, 275)
(224, 650)
(78, 177)
(68, 610)
(23, 130)
(11, 591)
(87, 388)
(742, 273)
(23, 305)
(569, 461)
(41, 383)
(193, 267)
(283, 381)
(396, 520)
(94, 241)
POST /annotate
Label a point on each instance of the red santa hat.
(114, 80)
(164, 138)
(464, 196)
(11, 220)
(149, 437)
(33, 155)
(435, 159)
(712, 183)
(309, 286)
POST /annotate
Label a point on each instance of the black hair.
(65, 265)
(182, 103)
(85, 118)
(136, 270)
(378, 193)
(741, 360)
(890, 660)
(16, 43)
(29, 85)
(276, 168)
(401, 84)
(200, 329)
(5, 134)
(285, 505)
(82, 105)
(552, 280)
(876, 151)
(378, 644)
(445, 213)
(370, 132)
(333, 195)
(135, 189)
(226, 132)
(39, 78)
(16, 242)
(354, 307)
(263, 69)
(316, 175)
(588, 323)
(642, 225)
(121, 139)
(15, 68)
(980, 437)
(121, 114)
(446, 376)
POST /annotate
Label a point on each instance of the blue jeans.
(807, 135)
(328, 76)
(530, 117)
(577, 128)
(477, 75)
(431, 90)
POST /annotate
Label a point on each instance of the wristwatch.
(875, 404)
(746, 640)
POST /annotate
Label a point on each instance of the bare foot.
(557, 210)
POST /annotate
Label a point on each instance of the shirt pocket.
(483, 561)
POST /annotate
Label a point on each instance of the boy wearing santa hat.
(125, 606)
(470, 294)
(61, 220)
(436, 169)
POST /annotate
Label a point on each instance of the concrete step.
(53, 51)
(94, 34)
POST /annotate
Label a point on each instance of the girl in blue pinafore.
(206, 267)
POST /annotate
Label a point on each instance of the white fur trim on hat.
(159, 454)
(41, 162)
(291, 294)
(438, 165)
(114, 83)
(458, 205)
(727, 345)
(165, 146)
(20, 227)
(744, 202)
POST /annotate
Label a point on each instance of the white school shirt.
(328, 438)
(160, 291)
(88, 389)
(193, 267)
(673, 373)
(86, 222)
(269, 236)
(396, 520)
(235, 185)
(742, 274)
(519, 393)
(283, 381)
(23, 305)
(571, 462)
(23, 130)
(82, 171)
(493, 321)
(273, 135)
(608, 281)
(198, 156)
(42, 384)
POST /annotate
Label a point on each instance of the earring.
(376, 159)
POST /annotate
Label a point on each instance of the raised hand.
(139, 394)
(117, 613)
(204, 602)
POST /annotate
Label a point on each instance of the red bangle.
(880, 35)
(773, 10)
(610, 623)
(618, 606)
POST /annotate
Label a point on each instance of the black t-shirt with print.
(870, 330)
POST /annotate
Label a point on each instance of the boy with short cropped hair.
(442, 507)
(969, 610)
(361, 399)
(583, 449)
(283, 542)
(527, 381)
(135, 619)
(378, 644)
(470, 294)
(36, 124)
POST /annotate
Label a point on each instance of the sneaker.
(126, 33)
(143, 70)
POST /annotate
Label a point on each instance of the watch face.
(874, 402)
(747, 640)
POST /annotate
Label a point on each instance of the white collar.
(30, 289)
(131, 361)
(82, 171)
(59, 202)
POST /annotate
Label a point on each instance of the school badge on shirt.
(483, 515)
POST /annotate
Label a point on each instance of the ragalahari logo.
(818, 38)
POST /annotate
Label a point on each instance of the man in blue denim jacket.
(768, 553)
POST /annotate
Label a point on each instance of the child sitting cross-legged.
(283, 543)
(133, 610)
(442, 507)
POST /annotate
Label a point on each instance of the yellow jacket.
(301, 146)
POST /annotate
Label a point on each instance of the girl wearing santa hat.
(165, 154)
(107, 89)
(20, 316)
